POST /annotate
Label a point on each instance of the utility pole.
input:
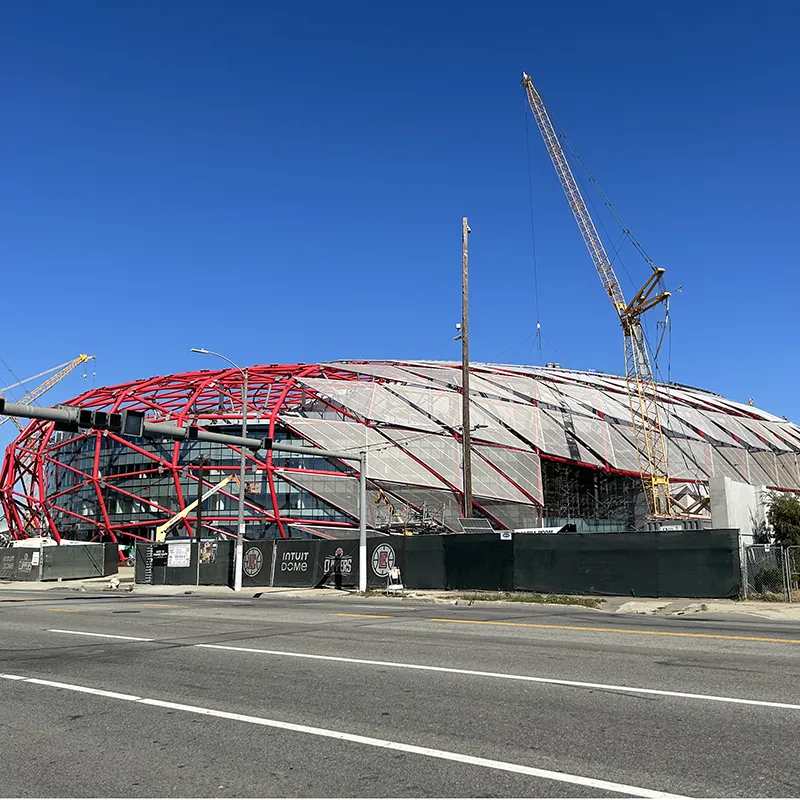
(465, 426)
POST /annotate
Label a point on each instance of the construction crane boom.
(645, 418)
(161, 530)
(63, 371)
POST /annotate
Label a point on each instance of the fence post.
(745, 576)
(274, 559)
(787, 577)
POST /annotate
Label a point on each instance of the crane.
(61, 372)
(645, 418)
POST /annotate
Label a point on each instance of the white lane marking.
(101, 635)
(386, 744)
(508, 676)
(84, 689)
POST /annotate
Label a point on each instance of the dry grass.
(535, 597)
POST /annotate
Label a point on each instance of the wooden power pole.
(465, 424)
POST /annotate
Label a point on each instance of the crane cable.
(13, 375)
(538, 336)
(626, 233)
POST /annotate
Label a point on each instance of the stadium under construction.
(549, 447)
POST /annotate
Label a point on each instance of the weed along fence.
(772, 572)
(665, 564)
(52, 563)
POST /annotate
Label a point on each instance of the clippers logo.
(253, 561)
(382, 560)
(338, 563)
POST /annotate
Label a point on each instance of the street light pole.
(238, 562)
(465, 428)
(362, 522)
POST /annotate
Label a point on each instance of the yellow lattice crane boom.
(645, 417)
(62, 371)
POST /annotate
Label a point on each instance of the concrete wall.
(737, 505)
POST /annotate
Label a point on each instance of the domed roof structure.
(548, 445)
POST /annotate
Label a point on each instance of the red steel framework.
(203, 397)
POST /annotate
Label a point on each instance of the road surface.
(106, 695)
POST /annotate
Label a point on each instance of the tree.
(784, 519)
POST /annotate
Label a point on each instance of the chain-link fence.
(771, 572)
(793, 572)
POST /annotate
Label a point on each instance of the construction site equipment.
(162, 530)
(61, 372)
(648, 434)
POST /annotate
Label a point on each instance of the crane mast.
(645, 417)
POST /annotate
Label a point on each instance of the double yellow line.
(590, 629)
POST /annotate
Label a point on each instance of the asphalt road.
(351, 697)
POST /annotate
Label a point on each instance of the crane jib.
(645, 417)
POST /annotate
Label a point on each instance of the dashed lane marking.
(101, 635)
(469, 672)
(386, 744)
(371, 616)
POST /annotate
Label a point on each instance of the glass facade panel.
(559, 437)
(384, 462)
(761, 470)
(731, 462)
(764, 432)
(443, 455)
(625, 455)
(371, 401)
(522, 419)
(698, 457)
(594, 433)
(383, 371)
(734, 426)
(512, 516)
(788, 465)
(522, 387)
(522, 467)
(702, 422)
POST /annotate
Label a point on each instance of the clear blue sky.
(285, 182)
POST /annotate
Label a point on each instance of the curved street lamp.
(239, 556)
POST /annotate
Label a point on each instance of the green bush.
(768, 578)
(784, 518)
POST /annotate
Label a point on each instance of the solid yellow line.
(161, 605)
(373, 616)
(619, 630)
(66, 610)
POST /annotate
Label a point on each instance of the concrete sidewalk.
(651, 607)
(658, 607)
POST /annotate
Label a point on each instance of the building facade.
(549, 446)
